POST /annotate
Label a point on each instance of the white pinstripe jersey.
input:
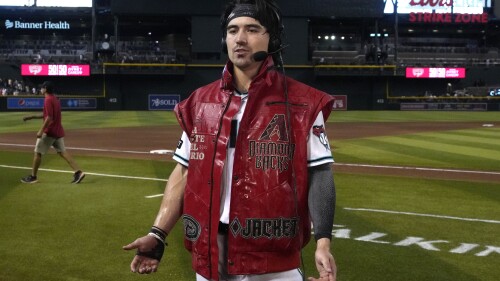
(318, 153)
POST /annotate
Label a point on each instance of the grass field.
(387, 227)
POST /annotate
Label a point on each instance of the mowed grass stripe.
(460, 140)
(370, 151)
(472, 136)
(490, 133)
(407, 152)
(445, 147)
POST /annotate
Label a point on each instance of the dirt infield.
(137, 142)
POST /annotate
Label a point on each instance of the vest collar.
(226, 82)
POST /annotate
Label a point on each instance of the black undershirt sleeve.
(322, 197)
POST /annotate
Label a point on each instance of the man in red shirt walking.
(50, 134)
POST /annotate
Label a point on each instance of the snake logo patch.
(319, 131)
(192, 229)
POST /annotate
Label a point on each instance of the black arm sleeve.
(321, 200)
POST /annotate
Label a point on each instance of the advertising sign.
(78, 103)
(445, 106)
(435, 72)
(37, 103)
(55, 70)
(438, 6)
(17, 24)
(442, 11)
(25, 103)
(340, 102)
(163, 102)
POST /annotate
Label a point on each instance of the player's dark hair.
(267, 13)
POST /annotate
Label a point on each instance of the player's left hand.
(325, 263)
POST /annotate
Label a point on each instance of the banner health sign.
(17, 24)
(78, 103)
(163, 102)
(37, 103)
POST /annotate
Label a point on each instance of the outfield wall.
(384, 91)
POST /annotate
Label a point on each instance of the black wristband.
(159, 234)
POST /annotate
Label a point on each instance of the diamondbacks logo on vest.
(273, 149)
(276, 129)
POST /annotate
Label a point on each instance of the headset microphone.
(262, 55)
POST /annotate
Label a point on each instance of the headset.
(274, 25)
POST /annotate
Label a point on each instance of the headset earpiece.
(276, 40)
(275, 43)
(223, 45)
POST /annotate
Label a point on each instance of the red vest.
(269, 224)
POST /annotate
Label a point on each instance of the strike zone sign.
(442, 11)
(448, 18)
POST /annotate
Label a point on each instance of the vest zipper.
(211, 183)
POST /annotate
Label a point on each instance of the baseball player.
(254, 165)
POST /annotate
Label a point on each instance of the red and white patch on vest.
(319, 131)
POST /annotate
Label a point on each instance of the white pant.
(290, 275)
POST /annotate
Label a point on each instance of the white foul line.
(421, 215)
(87, 173)
(153, 196)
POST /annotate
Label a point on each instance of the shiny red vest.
(269, 216)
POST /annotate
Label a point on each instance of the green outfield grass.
(53, 230)
(12, 121)
(476, 149)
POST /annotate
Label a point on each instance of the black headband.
(242, 10)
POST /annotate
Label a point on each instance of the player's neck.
(243, 80)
